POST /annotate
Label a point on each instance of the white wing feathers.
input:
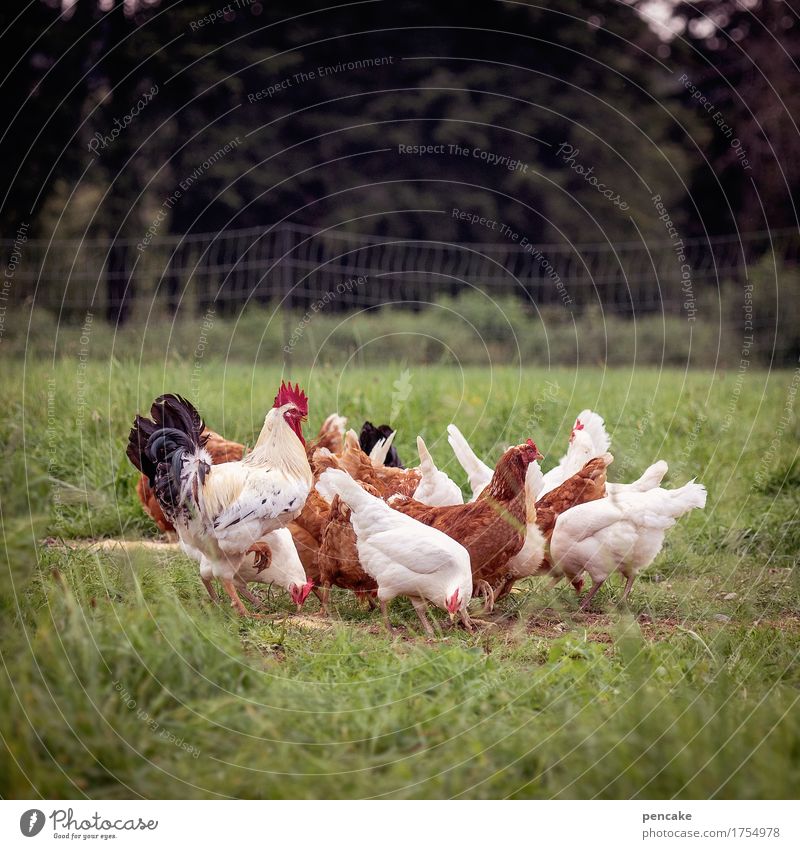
(587, 441)
(257, 504)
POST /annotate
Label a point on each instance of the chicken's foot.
(236, 602)
(364, 597)
(504, 589)
(421, 607)
(487, 592)
(324, 598)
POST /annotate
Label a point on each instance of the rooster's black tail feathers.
(156, 447)
(172, 411)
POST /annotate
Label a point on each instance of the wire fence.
(293, 267)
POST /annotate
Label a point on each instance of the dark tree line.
(528, 84)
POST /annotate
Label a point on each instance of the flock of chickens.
(342, 511)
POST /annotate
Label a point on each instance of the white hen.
(621, 533)
(404, 556)
(435, 488)
(283, 567)
(279, 564)
(587, 441)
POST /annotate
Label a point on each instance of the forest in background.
(135, 121)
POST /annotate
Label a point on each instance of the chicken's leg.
(324, 598)
(236, 602)
(488, 594)
(209, 585)
(591, 594)
(385, 614)
(421, 607)
(627, 591)
(504, 589)
(466, 621)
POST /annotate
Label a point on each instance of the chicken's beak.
(452, 617)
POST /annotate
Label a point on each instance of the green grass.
(119, 679)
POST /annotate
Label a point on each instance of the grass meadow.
(120, 679)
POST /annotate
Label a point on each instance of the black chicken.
(371, 435)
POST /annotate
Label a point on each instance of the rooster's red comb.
(578, 425)
(289, 394)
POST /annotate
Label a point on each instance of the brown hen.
(386, 480)
(338, 561)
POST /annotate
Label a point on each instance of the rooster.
(405, 557)
(492, 528)
(330, 437)
(221, 511)
(622, 533)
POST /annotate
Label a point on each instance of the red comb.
(289, 394)
(531, 444)
(577, 425)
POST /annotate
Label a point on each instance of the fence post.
(285, 294)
